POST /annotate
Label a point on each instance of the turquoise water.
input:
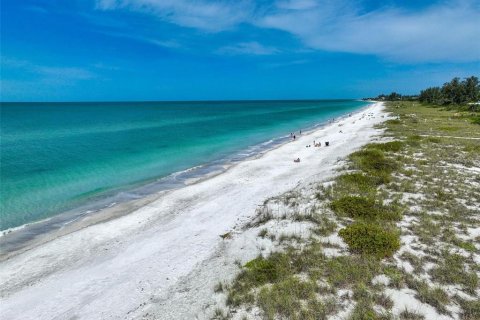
(58, 156)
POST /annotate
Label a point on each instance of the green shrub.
(434, 139)
(373, 161)
(364, 208)
(393, 121)
(371, 239)
(262, 270)
(476, 120)
(355, 207)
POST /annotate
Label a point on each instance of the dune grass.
(408, 187)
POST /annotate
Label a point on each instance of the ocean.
(57, 157)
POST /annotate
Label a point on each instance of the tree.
(471, 88)
(453, 92)
(431, 95)
(394, 96)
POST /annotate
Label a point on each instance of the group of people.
(292, 135)
(315, 144)
(319, 144)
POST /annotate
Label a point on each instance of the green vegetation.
(434, 296)
(408, 189)
(373, 161)
(357, 183)
(364, 208)
(369, 238)
(411, 315)
(471, 309)
(392, 146)
(455, 92)
(285, 299)
(451, 270)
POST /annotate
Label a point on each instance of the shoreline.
(137, 257)
(21, 238)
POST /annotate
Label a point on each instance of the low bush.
(434, 139)
(364, 208)
(359, 183)
(355, 207)
(393, 121)
(262, 270)
(373, 161)
(371, 239)
(476, 120)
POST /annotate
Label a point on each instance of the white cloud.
(447, 32)
(212, 16)
(251, 48)
(443, 32)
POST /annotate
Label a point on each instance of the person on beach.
(293, 137)
(296, 160)
(327, 143)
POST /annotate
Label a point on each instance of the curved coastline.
(141, 257)
(25, 237)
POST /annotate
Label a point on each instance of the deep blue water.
(58, 156)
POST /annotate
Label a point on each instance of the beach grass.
(405, 210)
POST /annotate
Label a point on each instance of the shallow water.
(60, 156)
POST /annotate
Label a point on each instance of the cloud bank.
(441, 32)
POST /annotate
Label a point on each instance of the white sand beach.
(162, 260)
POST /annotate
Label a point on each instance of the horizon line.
(206, 100)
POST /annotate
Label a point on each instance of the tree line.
(456, 92)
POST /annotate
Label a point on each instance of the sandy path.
(144, 260)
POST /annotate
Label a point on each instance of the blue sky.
(84, 50)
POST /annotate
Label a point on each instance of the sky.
(131, 50)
